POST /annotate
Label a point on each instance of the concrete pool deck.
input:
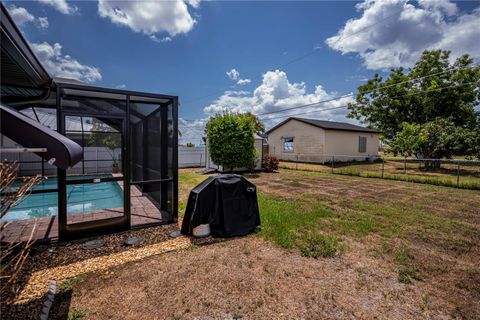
(143, 212)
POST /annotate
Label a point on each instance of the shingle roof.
(328, 125)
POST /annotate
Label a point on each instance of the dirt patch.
(250, 278)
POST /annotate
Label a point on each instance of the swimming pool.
(80, 198)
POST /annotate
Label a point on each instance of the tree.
(102, 136)
(190, 145)
(258, 124)
(422, 100)
(408, 141)
(230, 140)
(436, 139)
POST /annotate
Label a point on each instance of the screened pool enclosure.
(127, 176)
(109, 157)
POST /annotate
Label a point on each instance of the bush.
(270, 163)
(230, 140)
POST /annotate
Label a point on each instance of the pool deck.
(143, 212)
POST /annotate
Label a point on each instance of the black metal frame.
(91, 228)
(165, 184)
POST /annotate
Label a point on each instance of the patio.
(144, 213)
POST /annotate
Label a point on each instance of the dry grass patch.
(250, 278)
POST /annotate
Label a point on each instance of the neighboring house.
(312, 140)
(258, 160)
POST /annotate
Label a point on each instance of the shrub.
(230, 140)
(270, 163)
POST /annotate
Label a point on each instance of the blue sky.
(187, 49)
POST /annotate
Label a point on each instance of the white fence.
(97, 160)
(191, 157)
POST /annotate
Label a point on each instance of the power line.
(303, 56)
(354, 94)
(301, 113)
(344, 106)
(342, 38)
(400, 96)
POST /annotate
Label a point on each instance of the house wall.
(313, 144)
(345, 143)
(309, 142)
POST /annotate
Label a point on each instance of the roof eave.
(20, 49)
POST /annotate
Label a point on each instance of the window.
(288, 144)
(362, 144)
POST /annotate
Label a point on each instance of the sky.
(242, 56)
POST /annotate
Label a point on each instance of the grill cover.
(227, 202)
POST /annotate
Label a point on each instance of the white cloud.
(440, 5)
(121, 86)
(21, 16)
(243, 81)
(234, 75)
(192, 131)
(65, 66)
(194, 3)
(42, 22)
(357, 78)
(60, 5)
(150, 17)
(394, 33)
(164, 39)
(276, 92)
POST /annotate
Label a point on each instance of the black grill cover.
(227, 202)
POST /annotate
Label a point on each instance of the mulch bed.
(63, 261)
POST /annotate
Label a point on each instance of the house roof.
(327, 125)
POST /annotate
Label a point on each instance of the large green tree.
(421, 101)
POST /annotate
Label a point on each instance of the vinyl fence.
(447, 172)
(96, 160)
(191, 157)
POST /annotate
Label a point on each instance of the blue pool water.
(80, 198)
